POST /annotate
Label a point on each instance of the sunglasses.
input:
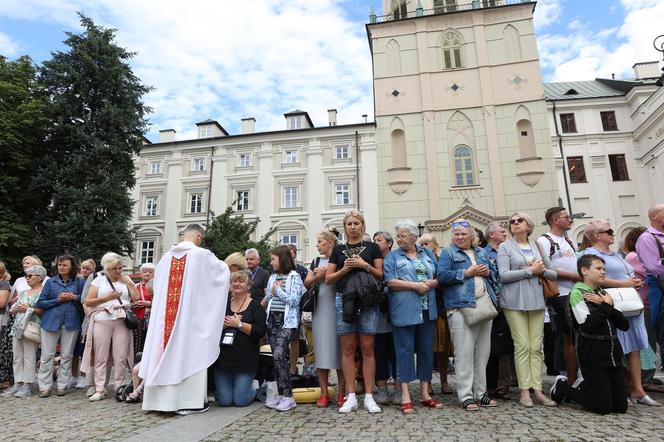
(29, 276)
(516, 221)
(608, 231)
(460, 224)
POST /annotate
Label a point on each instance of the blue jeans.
(410, 340)
(234, 389)
(366, 323)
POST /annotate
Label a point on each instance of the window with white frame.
(289, 238)
(151, 206)
(242, 200)
(244, 159)
(198, 165)
(205, 131)
(341, 152)
(342, 194)
(451, 45)
(155, 168)
(147, 251)
(291, 197)
(295, 122)
(463, 166)
(342, 237)
(290, 156)
(196, 202)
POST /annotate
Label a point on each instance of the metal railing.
(444, 9)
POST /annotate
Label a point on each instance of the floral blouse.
(30, 300)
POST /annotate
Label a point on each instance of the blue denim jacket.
(460, 292)
(405, 306)
(57, 314)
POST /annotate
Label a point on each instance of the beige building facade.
(461, 120)
(298, 181)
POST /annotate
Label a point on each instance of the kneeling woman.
(244, 326)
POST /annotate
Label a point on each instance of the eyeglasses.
(516, 221)
(29, 276)
(607, 231)
(460, 224)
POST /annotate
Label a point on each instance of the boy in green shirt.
(594, 322)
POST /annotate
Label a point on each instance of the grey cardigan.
(521, 290)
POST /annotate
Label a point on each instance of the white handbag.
(32, 332)
(626, 300)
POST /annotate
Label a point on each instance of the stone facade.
(461, 121)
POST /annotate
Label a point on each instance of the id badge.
(228, 337)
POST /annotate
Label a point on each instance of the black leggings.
(384, 354)
(279, 338)
(602, 390)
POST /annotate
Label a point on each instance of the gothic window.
(393, 57)
(464, 174)
(524, 133)
(399, 148)
(399, 9)
(451, 45)
(512, 43)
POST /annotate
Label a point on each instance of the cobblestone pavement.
(72, 417)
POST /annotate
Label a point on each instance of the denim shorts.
(366, 323)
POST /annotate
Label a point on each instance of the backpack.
(554, 247)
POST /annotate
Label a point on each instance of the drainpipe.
(357, 168)
(560, 149)
(209, 200)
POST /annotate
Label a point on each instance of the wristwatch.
(240, 324)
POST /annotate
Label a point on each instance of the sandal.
(133, 398)
(445, 389)
(407, 408)
(431, 403)
(486, 401)
(470, 405)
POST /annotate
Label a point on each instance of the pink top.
(633, 259)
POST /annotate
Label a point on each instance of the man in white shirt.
(562, 253)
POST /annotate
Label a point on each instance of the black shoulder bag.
(130, 320)
(309, 299)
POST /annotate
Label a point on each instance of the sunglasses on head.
(516, 221)
(609, 231)
(460, 224)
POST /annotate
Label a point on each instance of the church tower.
(462, 127)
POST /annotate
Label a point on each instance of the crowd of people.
(381, 311)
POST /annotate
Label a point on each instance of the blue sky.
(261, 58)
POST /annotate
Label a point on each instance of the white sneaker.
(11, 391)
(349, 405)
(91, 390)
(72, 382)
(97, 397)
(371, 405)
(577, 383)
(24, 391)
(82, 383)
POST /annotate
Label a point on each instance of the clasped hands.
(233, 321)
(477, 270)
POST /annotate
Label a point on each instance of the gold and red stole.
(175, 278)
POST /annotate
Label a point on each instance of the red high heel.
(323, 402)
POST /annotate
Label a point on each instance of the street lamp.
(420, 227)
(658, 43)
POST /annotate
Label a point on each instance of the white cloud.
(585, 54)
(547, 12)
(8, 47)
(226, 61)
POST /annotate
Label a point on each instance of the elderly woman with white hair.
(141, 307)
(410, 274)
(25, 350)
(520, 265)
(466, 270)
(107, 333)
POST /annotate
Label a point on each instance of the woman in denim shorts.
(347, 259)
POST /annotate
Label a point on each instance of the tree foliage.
(230, 232)
(22, 131)
(97, 121)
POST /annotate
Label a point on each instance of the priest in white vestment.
(186, 321)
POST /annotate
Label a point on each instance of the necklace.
(246, 297)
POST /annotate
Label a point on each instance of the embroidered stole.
(175, 278)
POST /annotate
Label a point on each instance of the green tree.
(97, 121)
(229, 232)
(22, 130)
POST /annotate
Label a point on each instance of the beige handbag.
(484, 310)
(32, 332)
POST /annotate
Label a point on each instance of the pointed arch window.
(464, 173)
(512, 43)
(399, 158)
(399, 9)
(451, 46)
(393, 57)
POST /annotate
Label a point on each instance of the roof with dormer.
(214, 122)
(299, 112)
(598, 88)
